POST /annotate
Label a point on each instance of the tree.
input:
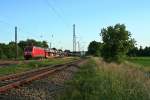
(4, 50)
(32, 42)
(9, 50)
(133, 52)
(95, 48)
(22, 44)
(116, 42)
(44, 44)
(54, 49)
(2, 55)
(141, 52)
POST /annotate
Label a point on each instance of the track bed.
(46, 88)
(15, 80)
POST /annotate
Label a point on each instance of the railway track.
(15, 80)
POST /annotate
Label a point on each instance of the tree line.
(139, 52)
(116, 44)
(7, 51)
(95, 49)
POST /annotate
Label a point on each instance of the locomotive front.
(28, 52)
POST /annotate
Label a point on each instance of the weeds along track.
(8, 63)
(16, 80)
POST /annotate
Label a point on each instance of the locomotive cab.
(28, 52)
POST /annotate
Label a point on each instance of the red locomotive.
(38, 52)
(33, 52)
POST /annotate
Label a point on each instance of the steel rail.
(36, 76)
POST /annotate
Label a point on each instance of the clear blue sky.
(36, 18)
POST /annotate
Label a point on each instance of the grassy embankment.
(33, 64)
(97, 80)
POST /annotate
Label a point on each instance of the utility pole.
(50, 45)
(74, 39)
(51, 41)
(78, 46)
(16, 43)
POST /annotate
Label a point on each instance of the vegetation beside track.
(143, 61)
(98, 80)
(34, 64)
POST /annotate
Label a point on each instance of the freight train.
(38, 52)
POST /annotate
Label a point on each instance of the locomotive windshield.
(28, 49)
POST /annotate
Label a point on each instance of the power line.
(3, 22)
(8, 24)
(12, 26)
(58, 7)
(57, 13)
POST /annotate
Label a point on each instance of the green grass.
(143, 61)
(97, 80)
(33, 64)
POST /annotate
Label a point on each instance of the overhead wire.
(12, 26)
(58, 7)
(4, 22)
(57, 13)
(52, 7)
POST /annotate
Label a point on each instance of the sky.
(52, 20)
